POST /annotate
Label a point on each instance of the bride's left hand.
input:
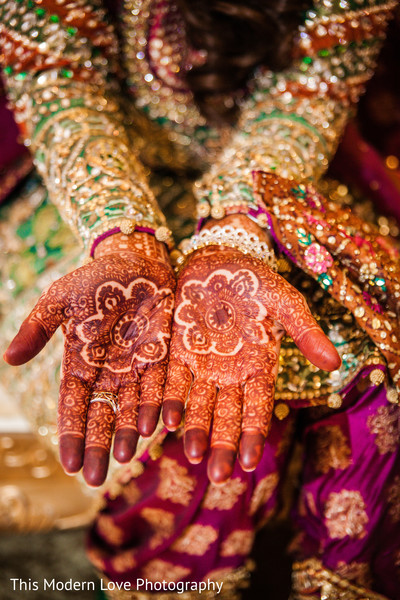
(231, 313)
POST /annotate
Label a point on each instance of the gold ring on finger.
(106, 398)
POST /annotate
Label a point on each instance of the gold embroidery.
(131, 493)
(238, 542)
(107, 528)
(159, 570)
(175, 484)
(96, 557)
(263, 491)
(359, 572)
(311, 503)
(233, 581)
(345, 515)
(162, 523)
(195, 540)
(385, 425)
(330, 449)
(123, 561)
(224, 497)
(218, 574)
(313, 581)
(394, 499)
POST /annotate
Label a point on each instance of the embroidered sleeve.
(292, 121)
(60, 61)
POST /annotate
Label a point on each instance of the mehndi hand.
(116, 315)
(231, 313)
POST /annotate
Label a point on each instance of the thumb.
(293, 313)
(36, 330)
(318, 349)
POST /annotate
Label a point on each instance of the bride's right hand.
(116, 317)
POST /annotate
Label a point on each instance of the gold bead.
(175, 255)
(203, 210)
(217, 211)
(185, 244)
(281, 411)
(377, 376)
(392, 396)
(359, 311)
(283, 265)
(155, 452)
(376, 323)
(334, 401)
(127, 226)
(136, 468)
(162, 234)
(262, 220)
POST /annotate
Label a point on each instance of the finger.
(126, 431)
(179, 380)
(99, 430)
(295, 316)
(151, 394)
(198, 416)
(318, 349)
(72, 409)
(257, 412)
(37, 329)
(225, 433)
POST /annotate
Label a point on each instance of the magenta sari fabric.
(15, 160)
(169, 523)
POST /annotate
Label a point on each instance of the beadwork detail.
(233, 237)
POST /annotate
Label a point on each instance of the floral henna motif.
(231, 312)
(215, 313)
(120, 333)
(116, 316)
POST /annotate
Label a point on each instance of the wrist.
(231, 233)
(143, 244)
(241, 222)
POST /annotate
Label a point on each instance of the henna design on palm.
(116, 316)
(231, 313)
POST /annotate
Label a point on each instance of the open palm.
(116, 315)
(231, 313)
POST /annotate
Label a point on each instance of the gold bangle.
(233, 237)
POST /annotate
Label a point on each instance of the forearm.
(292, 121)
(60, 64)
(94, 178)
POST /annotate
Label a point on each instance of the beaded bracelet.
(258, 214)
(230, 236)
(241, 200)
(128, 226)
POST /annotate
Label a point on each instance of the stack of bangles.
(227, 235)
(232, 237)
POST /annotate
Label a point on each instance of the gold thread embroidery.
(175, 484)
(162, 522)
(330, 449)
(195, 540)
(345, 515)
(263, 492)
(394, 500)
(224, 497)
(385, 425)
(107, 528)
(238, 542)
(159, 570)
(124, 561)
